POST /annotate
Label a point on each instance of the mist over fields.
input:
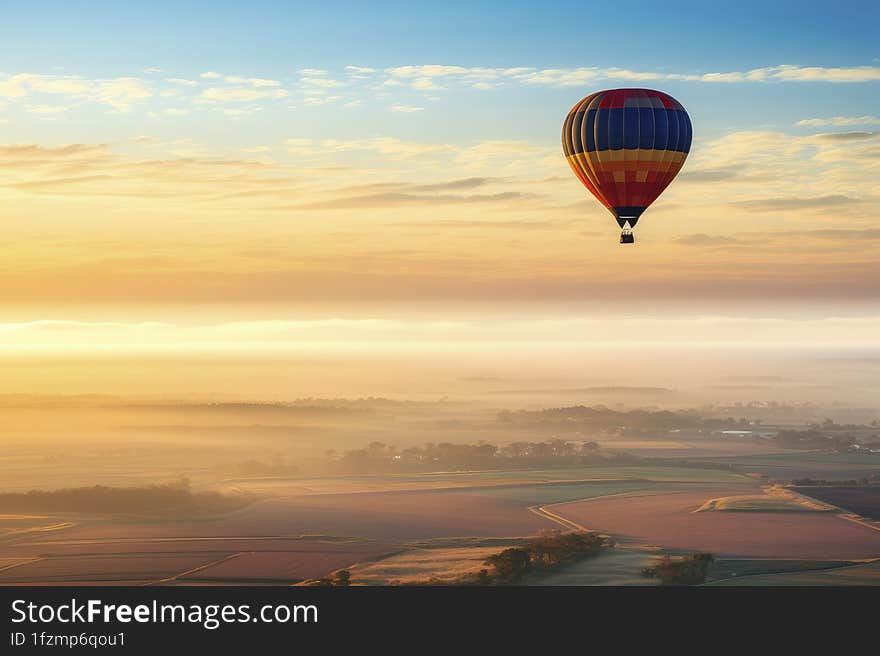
(238, 454)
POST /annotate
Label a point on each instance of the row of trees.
(550, 549)
(339, 579)
(814, 438)
(380, 457)
(688, 570)
(174, 498)
(581, 418)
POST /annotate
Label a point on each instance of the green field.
(768, 502)
(612, 567)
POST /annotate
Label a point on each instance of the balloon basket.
(626, 237)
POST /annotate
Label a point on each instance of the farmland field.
(865, 574)
(861, 500)
(412, 527)
(470, 479)
(784, 467)
(668, 519)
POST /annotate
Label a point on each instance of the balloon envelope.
(626, 146)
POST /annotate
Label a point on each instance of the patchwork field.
(283, 566)
(412, 527)
(181, 560)
(668, 519)
(132, 568)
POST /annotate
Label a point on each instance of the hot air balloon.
(626, 146)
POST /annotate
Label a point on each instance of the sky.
(182, 175)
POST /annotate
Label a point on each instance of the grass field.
(774, 499)
(442, 565)
(611, 567)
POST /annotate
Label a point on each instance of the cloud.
(702, 239)
(427, 71)
(817, 73)
(258, 82)
(388, 146)
(312, 72)
(360, 70)
(839, 121)
(46, 109)
(559, 76)
(845, 234)
(461, 183)
(397, 199)
(846, 136)
(795, 203)
(314, 101)
(321, 82)
(252, 81)
(406, 109)
(780, 73)
(18, 155)
(262, 82)
(65, 85)
(457, 224)
(715, 174)
(50, 184)
(481, 77)
(239, 94)
(425, 84)
(119, 92)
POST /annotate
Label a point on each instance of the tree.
(511, 564)
(342, 578)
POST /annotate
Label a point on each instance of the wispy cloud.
(406, 109)
(120, 93)
(239, 94)
(839, 121)
(796, 203)
(579, 76)
(847, 136)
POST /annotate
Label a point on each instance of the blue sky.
(272, 34)
(270, 40)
